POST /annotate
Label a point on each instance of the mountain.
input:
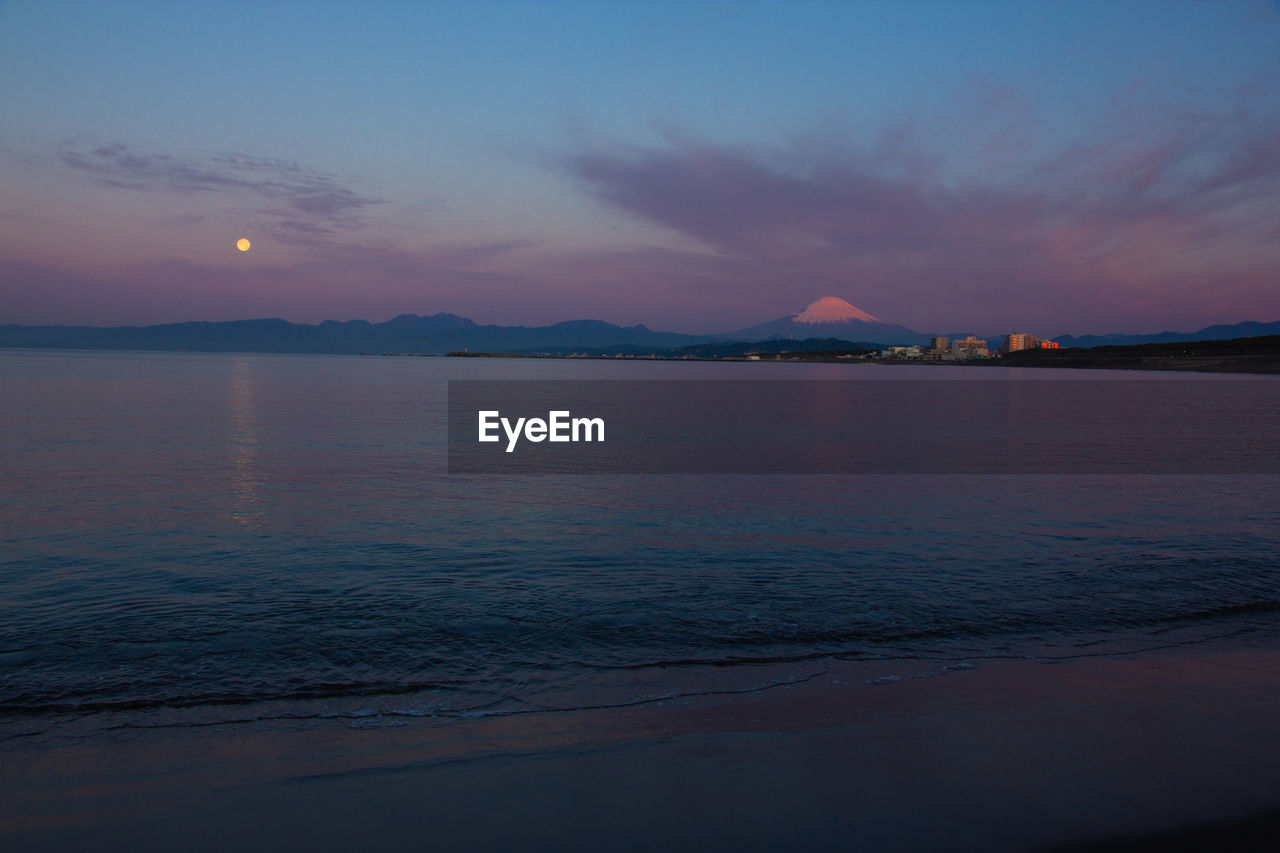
(826, 318)
(830, 317)
(439, 333)
(1208, 333)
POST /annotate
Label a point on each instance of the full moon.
(243, 244)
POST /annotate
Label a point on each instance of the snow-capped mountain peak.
(832, 309)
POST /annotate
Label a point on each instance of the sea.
(257, 540)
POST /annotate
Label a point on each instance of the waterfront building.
(970, 347)
(1019, 340)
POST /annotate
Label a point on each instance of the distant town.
(829, 329)
(963, 349)
(1258, 354)
(940, 348)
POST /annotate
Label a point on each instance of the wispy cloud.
(1138, 218)
(1116, 221)
(302, 199)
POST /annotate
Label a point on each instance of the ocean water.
(194, 539)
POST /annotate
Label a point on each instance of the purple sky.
(1058, 168)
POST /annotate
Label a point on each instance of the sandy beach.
(888, 756)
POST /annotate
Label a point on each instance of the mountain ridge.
(443, 332)
(436, 334)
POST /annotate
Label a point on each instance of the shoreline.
(1011, 754)
(1263, 365)
(1169, 365)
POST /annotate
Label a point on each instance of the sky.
(1053, 167)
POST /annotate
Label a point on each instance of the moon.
(243, 244)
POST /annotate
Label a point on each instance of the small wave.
(744, 660)
(884, 679)
(363, 717)
(317, 691)
(1224, 611)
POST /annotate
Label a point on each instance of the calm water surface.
(193, 538)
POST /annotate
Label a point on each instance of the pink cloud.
(1144, 223)
(1133, 228)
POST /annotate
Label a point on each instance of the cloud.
(303, 199)
(1140, 218)
(1109, 223)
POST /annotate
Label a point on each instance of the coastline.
(1264, 364)
(891, 754)
(1258, 355)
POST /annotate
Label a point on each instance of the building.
(970, 347)
(1019, 340)
(938, 348)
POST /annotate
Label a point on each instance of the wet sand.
(1006, 755)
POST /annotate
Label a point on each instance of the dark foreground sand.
(1009, 755)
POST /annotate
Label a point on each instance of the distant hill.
(1208, 333)
(1259, 354)
(826, 319)
(439, 333)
